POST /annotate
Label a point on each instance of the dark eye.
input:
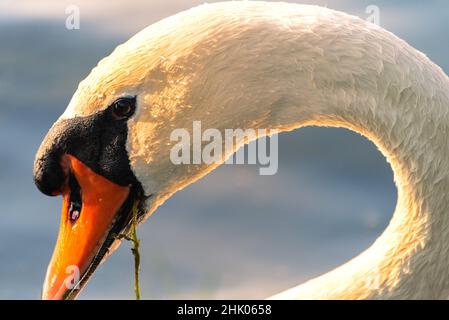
(123, 108)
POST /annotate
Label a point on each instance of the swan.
(246, 65)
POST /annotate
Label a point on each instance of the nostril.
(75, 199)
(49, 175)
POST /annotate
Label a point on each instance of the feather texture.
(284, 66)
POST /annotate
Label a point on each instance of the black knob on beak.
(48, 172)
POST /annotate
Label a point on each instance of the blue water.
(233, 234)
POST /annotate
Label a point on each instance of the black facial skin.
(99, 141)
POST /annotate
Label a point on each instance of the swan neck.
(408, 124)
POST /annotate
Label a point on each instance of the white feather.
(284, 66)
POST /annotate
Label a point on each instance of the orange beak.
(88, 217)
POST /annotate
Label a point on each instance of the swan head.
(109, 152)
(107, 155)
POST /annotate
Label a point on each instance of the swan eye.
(123, 108)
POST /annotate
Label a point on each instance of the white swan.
(256, 65)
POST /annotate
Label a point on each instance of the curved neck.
(404, 111)
(410, 259)
(282, 66)
(371, 82)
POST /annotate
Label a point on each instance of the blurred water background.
(233, 234)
